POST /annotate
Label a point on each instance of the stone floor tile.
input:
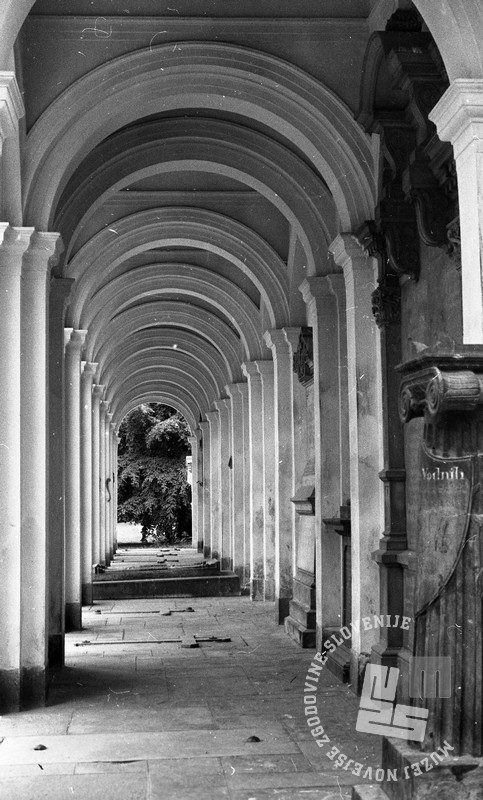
(83, 787)
(120, 767)
(35, 770)
(187, 787)
(246, 765)
(130, 746)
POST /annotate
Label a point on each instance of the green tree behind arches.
(152, 487)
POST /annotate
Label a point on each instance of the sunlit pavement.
(133, 716)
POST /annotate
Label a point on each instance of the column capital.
(249, 369)
(224, 402)
(113, 426)
(98, 391)
(232, 389)
(204, 427)
(109, 416)
(118, 439)
(242, 390)
(14, 241)
(264, 367)
(76, 340)
(104, 404)
(11, 105)
(43, 252)
(212, 416)
(89, 369)
(345, 248)
(458, 115)
(282, 340)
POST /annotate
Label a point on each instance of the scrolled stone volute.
(435, 384)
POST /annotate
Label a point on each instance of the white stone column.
(226, 555)
(265, 368)
(325, 300)
(246, 557)
(257, 516)
(88, 373)
(59, 292)
(11, 111)
(97, 395)
(37, 262)
(365, 432)
(458, 117)
(238, 510)
(284, 473)
(117, 441)
(107, 483)
(196, 489)
(213, 418)
(73, 593)
(112, 486)
(104, 405)
(205, 478)
(13, 243)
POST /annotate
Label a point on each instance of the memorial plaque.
(443, 519)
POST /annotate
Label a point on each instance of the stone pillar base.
(87, 594)
(33, 688)
(226, 563)
(256, 589)
(282, 609)
(73, 617)
(9, 690)
(420, 776)
(56, 651)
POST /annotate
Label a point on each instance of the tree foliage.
(152, 486)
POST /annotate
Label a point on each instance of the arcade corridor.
(151, 721)
(266, 215)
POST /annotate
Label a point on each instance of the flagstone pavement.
(132, 717)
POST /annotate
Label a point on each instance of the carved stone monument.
(447, 390)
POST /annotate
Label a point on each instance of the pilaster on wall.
(213, 418)
(325, 300)
(278, 341)
(97, 395)
(458, 117)
(196, 490)
(42, 252)
(104, 408)
(60, 289)
(224, 407)
(245, 557)
(365, 434)
(239, 449)
(265, 368)
(73, 593)
(206, 485)
(108, 483)
(255, 413)
(88, 373)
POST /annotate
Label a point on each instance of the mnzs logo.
(377, 712)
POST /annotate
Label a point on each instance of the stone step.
(161, 572)
(366, 792)
(305, 637)
(221, 585)
(300, 612)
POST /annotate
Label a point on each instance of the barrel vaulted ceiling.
(197, 159)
